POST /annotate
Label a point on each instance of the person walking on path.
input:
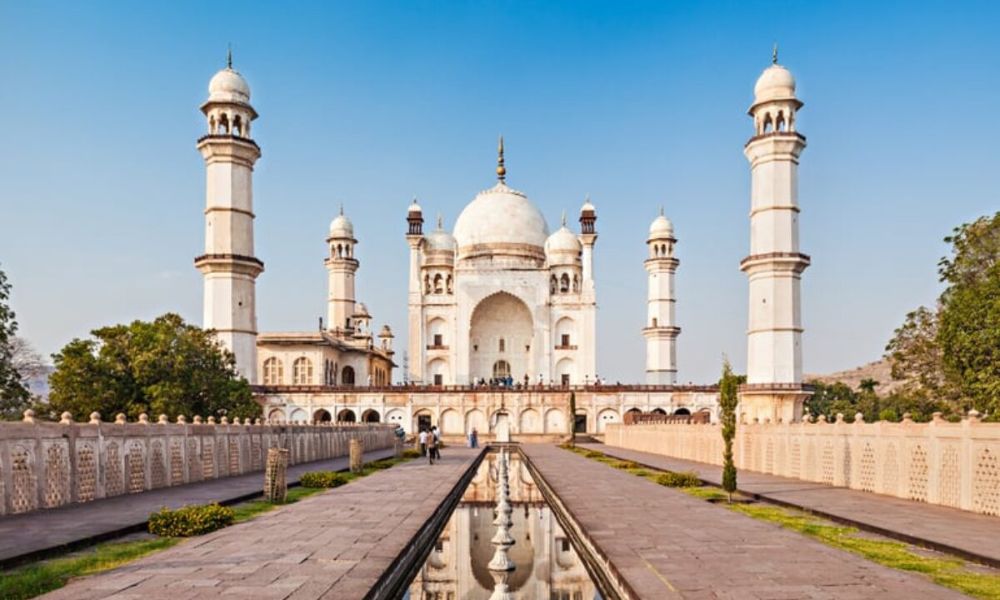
(436, 435)
(473, 438)
(423, 442)
(431, 447)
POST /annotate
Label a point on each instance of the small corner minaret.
(341, 266)
(660, 330)
(415, 341)
(774, 266)
(228, 265)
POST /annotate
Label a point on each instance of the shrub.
(626, 464)
(322, 479)
(411, 453)
(379, 465)
(684, 479)
(592, 454)
(195, 519)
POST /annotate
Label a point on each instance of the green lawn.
(944, 570)
(35, 579)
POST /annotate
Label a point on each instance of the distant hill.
(880, 371)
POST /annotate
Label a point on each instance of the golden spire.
(501, 171)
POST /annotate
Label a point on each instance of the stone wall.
(953, 464)
(45, 465)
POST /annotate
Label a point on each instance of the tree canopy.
(161, 367)
(14, 395)
(951, 354)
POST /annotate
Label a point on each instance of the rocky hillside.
(879, 370)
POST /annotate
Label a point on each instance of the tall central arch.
(500, 336)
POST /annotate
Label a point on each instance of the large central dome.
(502, 221)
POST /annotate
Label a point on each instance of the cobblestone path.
(667, 544)
(335, 544)
(43, 530)
(973, 535)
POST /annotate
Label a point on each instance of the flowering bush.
(322, 479)
(196, 519)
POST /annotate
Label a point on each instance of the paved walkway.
(335, 544)
(34, 533)
(960, 532)
(667, 544)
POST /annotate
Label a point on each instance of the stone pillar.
(356, 455)
(275, 484)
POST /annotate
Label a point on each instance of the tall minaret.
(774, 351)
(415, 299)
(341, 267)
(229, 266)
(588, 292)
(660, 331)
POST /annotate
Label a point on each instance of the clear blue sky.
(371, 103)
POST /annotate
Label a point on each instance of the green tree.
(161, 367)
(14, 395)
(828, 399)
(728, 400)
(915, 355)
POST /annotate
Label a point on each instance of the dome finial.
(229, 56)
(774, 54)
(564, 218)
(341, 209)
(501, 171)
(661, 210)
(440, 222)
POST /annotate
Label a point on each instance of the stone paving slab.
(51, 529)
(961, 532)
(335, 544)
(667, 544)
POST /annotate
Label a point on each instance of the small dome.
(360, 310)
(775, 83)
(563, 241)
(228, 86)
(440, 240)
(503, 218)
(341, 226)
(414, 208)
(661, 227)
(587, 206)
(386, 332)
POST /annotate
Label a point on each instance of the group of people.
(430, 443)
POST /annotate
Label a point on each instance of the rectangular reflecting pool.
(546, 565)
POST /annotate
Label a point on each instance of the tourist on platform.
(436, 438)
(431, 446)
(473, 438)
(423, 442)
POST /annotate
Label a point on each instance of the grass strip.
(35, 579)
(949, 572)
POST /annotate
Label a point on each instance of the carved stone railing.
(636, 418)
(952, 464)
(46, 464)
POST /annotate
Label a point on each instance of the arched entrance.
(322, 416)
(658, 411)
(500, 334)
(346, 416)
(347, 376)
(682, 411)
(370, 416)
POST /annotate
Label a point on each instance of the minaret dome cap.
(775, 83)
(228, 86)
(661, 227)
(341, 226)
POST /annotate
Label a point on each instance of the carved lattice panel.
(234, 455)
(986, 483)
(23, 496)
(157, 466)
(176, 462)
(919, 471)
(866, 474)
(828, 459)
(208, 458)
(113, 484)
(194, 460)
(86, 472)
(949, 480)
(769, 456)
(56, 476)
(810, 469)
(135, 461)
(890, 470)
(795, 460)
(255, 453)
(848, 475)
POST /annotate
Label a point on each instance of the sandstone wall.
(45, 465)
(953, 464)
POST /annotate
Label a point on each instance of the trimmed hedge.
(187, 521)
(626, 464)
(683, 479)
(322, 479)
(411, 453)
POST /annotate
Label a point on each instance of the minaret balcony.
(226, 263)
(795, 262)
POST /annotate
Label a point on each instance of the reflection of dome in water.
(522, 552)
